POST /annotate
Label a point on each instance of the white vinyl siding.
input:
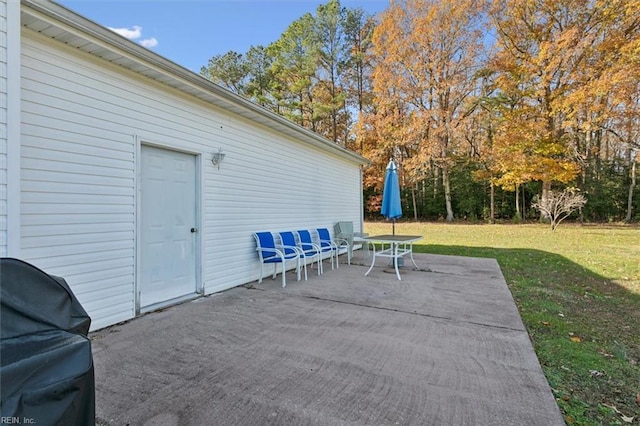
(78, 186)
(83, 120)
(3, 128)
(268, 183)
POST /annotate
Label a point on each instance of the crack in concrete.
(382, 308)
(422, 270)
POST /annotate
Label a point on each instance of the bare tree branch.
(557, 206)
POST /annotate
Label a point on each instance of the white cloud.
(149, 42)
(130, 33)
(134, 33)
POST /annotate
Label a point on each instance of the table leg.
(395, 260)
(411, 253)
(373, 260)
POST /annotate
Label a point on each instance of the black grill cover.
(46, 371)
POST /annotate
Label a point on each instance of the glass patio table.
(392, 246)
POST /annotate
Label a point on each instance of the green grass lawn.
(578, 292)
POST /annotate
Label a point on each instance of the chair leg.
(298, 266)
(304, 265)
(305, 268)
(260, 276)
(284, 277)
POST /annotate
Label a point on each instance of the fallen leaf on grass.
(575, 339)
(624, 418)
(546, 323)
(596, 373)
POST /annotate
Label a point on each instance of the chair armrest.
(297, 249)
(275, 251)
(312, 244)
(331, 244)
(342, 240)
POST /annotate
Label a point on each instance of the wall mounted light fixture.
(217, 158)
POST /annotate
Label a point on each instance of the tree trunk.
(435, 180)
(415, 205)
(524, 206)
(492, 207)
(447, 193)
(632, 187)
(518, 201)
(546, 188)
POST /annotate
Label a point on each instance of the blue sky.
(190, 32)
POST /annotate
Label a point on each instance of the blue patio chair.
(268, 252)
(309, 248)
(290, 246)
(328, 245)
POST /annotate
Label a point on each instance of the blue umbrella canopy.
(391, 207)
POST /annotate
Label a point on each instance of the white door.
(168, 226)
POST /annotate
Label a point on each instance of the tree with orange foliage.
(562, 65)
(426, 53)
(604, 105)
(541, 47)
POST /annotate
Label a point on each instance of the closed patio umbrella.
(391, 207)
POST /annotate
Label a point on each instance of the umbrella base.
(390, 269)
(400, 261)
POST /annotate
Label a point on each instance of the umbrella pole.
(393, 227)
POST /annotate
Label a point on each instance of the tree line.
(487, 106)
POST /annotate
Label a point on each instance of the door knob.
(193, 230)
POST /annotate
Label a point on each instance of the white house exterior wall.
(3, 128)
(83, 122)
(9, 128)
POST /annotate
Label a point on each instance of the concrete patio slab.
(444, 346)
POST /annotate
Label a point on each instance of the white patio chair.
(345, 235)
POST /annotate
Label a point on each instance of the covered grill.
(46, 371)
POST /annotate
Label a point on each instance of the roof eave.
(43, 15)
